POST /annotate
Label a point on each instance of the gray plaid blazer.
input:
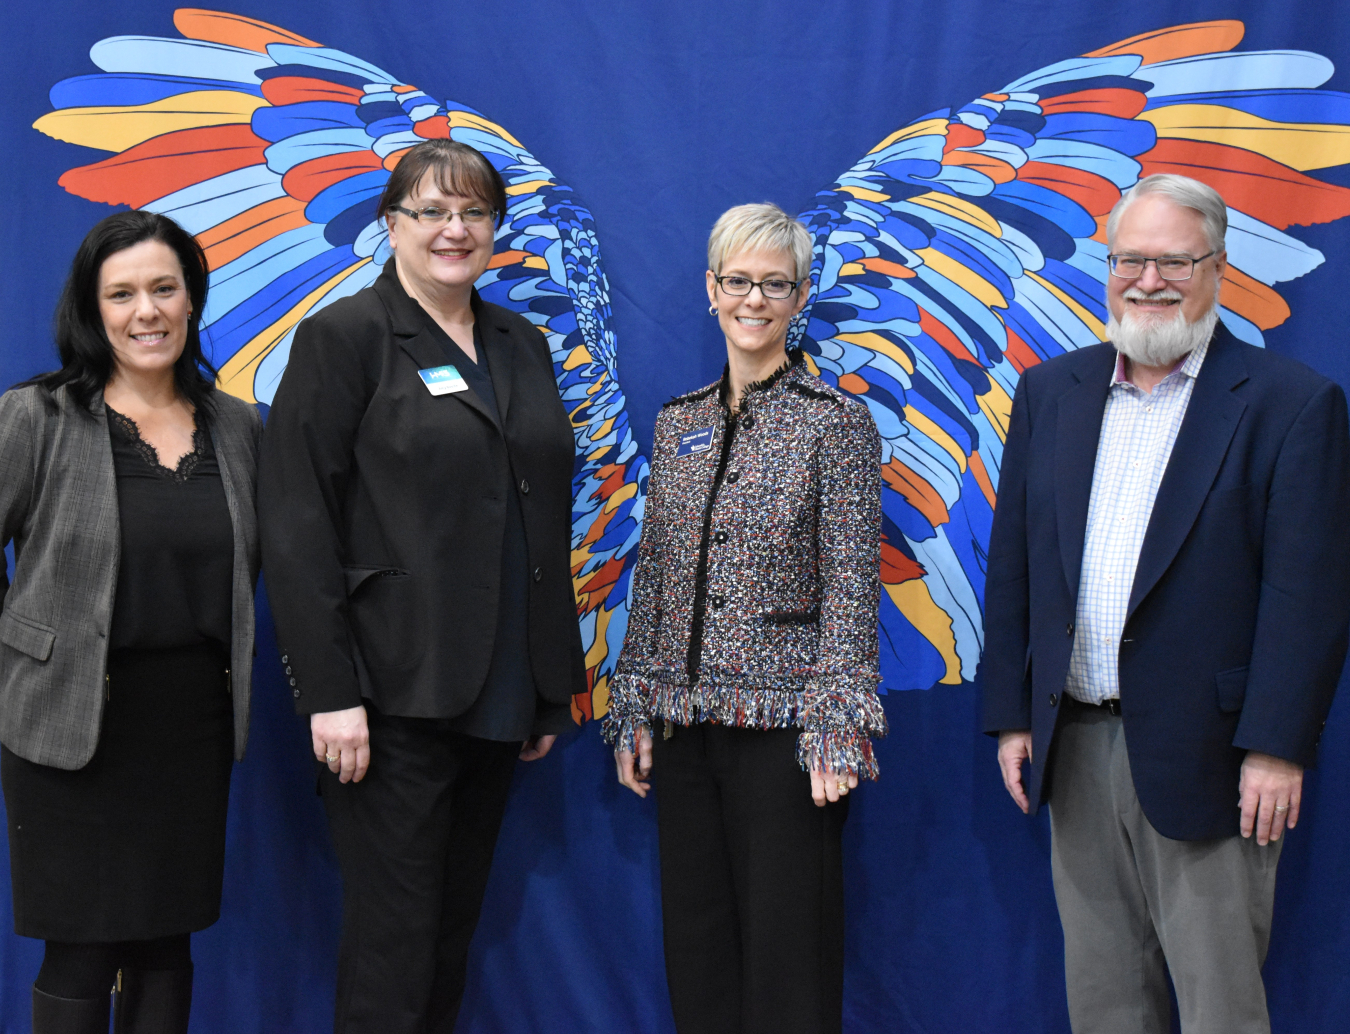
(58, 504)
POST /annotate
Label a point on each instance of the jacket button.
(720, 537)
(1054, 700)
(719, 602)
(292, 682)
(1070, 630)
(285, 659)
(733, 477)
(295, 693)
(538, 573)
(524, 487)
(288, 669)
(749, 422)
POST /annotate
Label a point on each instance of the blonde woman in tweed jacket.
(746, 688)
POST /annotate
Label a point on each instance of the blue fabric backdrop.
(660, 117)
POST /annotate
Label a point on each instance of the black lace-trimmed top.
(174, 582)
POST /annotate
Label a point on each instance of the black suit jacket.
(383, 510)
(1237, 622)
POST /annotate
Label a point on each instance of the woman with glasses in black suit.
(415, 501)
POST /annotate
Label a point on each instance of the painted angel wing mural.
(273, 150)
(960, 250)
(969, 245)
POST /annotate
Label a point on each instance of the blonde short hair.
(763, 227)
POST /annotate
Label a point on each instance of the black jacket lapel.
(501, 356)
(409, 323)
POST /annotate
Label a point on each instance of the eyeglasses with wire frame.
(435, 216)
(1169, 267)
(740, 286)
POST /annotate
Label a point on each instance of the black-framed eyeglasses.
(433, 215)
(1169, 267)
(740, 286)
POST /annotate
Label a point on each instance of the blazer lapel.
(1078, 428)
(1206, 431)
(409, 324)
(501, 357)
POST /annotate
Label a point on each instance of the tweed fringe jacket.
(755, 594)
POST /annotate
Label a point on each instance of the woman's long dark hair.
(81, 342)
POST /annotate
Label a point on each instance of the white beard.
(1160, 342)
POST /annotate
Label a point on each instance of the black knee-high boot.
(53, 1015)
(153, 1001)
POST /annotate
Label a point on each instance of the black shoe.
(52, 1015)
(152, 1001)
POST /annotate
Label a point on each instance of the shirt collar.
(1187, 367)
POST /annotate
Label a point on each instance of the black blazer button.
(720, 537)
(733, 477)
(295, 693)
(285, 659)
(292, 682)
(288, 669)
(748, 423)
(1070, 630)
(538, 573)
(524, 487)
(719, 602)
(1054, 700)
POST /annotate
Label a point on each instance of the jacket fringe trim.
(837, 715)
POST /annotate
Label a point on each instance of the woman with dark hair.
(126, 636)
(415, 501)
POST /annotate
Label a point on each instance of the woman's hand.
(536, 747)
(630, 774)
(828, 786)
(342, 740)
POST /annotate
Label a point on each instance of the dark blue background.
(661, 116)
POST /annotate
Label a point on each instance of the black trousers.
(752, 888)
(414, 840)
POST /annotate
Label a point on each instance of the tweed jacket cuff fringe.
(838, 715)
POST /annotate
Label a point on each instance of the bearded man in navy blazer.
(1167, 604)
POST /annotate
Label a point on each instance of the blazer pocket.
(26, 635)
(1232, 688)
(386, 615)
(808, 616)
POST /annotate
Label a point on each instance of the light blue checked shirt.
(1138, 432)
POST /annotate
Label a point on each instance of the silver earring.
(712, 310)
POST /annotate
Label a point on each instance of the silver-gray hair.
(763, 227)
(1183, 191)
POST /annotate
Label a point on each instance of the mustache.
(1162, 294)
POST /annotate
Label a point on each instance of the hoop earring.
(712, 310)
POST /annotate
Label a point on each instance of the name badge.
(695, 442)
(443, 380)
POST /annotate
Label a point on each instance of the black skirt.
(132, 846)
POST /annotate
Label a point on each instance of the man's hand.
(1270, 790)
(1014, 747)
(536, 747)
(341, 740)
(632, 775)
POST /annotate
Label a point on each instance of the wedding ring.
(330, 758)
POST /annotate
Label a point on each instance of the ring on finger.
(330, 758)
(1281, 807)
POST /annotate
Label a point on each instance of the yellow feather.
(974, 284)
(118, 128)
(1299, 145)
(913, 600)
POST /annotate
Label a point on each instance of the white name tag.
(443, 380)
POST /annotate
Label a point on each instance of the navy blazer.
(1237, 623)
